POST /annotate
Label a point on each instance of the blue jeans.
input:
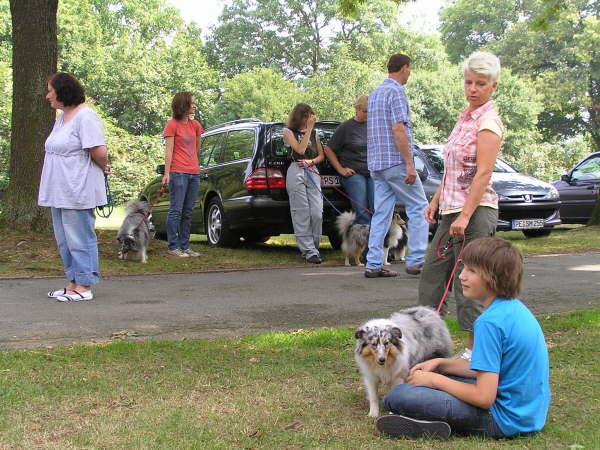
(77, 244)
(389, 189)
(183, 190)
(424, 403)
(360, 189)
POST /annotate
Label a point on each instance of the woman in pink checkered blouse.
(465, 199)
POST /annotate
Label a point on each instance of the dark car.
(578, 190)
(525, 203)
(242, 190)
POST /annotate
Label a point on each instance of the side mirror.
(566, 178)
(160, 169)
(423, 174)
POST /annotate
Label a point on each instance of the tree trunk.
(33, 60)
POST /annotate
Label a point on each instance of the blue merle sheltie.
(386, 349)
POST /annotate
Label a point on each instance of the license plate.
(527, 224)
(330, 180)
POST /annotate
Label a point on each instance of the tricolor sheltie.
(386, 349)
(355, 237)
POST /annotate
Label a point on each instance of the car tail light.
(263, 178)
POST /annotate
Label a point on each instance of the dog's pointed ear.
(396, 332)
(360, 333)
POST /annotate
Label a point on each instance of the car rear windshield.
(436, 158)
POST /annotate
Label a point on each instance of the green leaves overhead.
(288, 35)
(132, 56)
(561, 59)
(262, 94)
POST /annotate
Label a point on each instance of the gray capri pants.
(306, 207)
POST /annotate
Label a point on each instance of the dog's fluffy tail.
(137, 206)
(344, 221)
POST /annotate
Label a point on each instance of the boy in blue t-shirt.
(504, 390)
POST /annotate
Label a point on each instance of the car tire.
(335, 240)
(218, 233)
(536, 233)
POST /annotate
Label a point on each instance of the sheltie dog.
(386, 349)
(135, 233)
(355, 238)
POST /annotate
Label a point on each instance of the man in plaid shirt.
(390, 161)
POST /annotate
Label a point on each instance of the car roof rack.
(233, 122)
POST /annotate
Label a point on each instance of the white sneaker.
(190, 252)
(75, 297)
(58, 292)
(178, 252)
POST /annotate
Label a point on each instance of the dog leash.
(339, 191)
(442, 255)
(320, 190)
(109, 202)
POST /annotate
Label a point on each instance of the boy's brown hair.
(498, 262)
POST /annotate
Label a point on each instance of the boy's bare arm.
(458, 367)
(481, 394)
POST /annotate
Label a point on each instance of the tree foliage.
(133, 56)
(561, 60)
(288, 35)
(5, 119)
(467, 26)
(332, 93)
(262, 94)
(298, 37)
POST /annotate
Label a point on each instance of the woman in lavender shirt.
(72, 185)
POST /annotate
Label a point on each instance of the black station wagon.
(242, 190)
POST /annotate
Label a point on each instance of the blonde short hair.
(483, 63)
(362, 102)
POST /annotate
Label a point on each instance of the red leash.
(342, 192)
(458, 260)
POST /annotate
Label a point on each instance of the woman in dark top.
(347, 152)
(303, 183)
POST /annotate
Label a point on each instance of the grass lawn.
(24, 254)
(283, 390)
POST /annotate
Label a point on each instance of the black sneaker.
(414, 270)
(314, 259)
(376, 273)
(396, 426)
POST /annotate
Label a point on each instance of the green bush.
(5, 115)
(133, 160)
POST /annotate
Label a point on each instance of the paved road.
(219, 304)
